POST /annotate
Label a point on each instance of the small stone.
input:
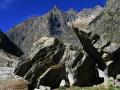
(118, 77)
(63, 83)
(111, 81)
(43, 88)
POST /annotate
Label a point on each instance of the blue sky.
(16, 11)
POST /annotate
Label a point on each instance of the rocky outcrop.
(90, 49)
(107, 23)
(9, 54)
(52, 61)
(108, 51)
(84, 17)
(7, 60)
(8, 51)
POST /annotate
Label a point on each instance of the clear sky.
(16, 11)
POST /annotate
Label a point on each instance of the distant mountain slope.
(85, 16)
(108, 22)
(51, 24)
(54, 24)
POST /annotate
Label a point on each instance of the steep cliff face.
(108, 22)
(51, 24)
(55, 24)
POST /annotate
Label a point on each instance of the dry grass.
(14, 85)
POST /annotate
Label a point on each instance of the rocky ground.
(5, 72)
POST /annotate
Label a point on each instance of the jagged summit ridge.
(55, 23)
(55, 8)
(51, 24)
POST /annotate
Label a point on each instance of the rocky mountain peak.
(55, 23)
(51, 24)
(55, 10)
(98, 7)
(72, 11)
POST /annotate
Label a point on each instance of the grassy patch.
(99, 87)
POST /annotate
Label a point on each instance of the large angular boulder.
(52, 76)
(90, 49)
(51, 61)
(114, 67)
(101, 51)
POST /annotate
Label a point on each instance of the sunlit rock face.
(52, 61)
(85, 16)
(107, 23)
(51, 24)
(55, 23)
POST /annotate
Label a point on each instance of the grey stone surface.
(51, 61)
(107, 23)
